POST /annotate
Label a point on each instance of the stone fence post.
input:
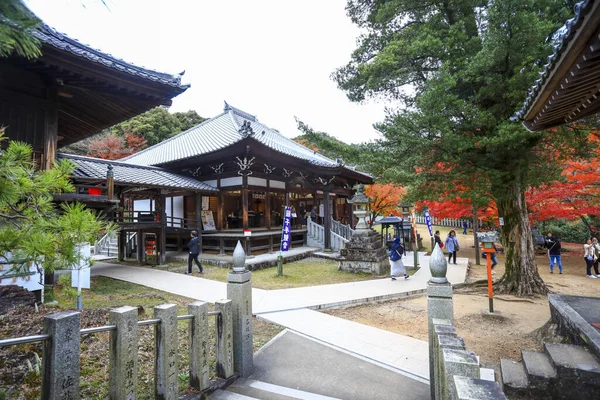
(224, 339)
(199, 377)
(440, 306)
(123, 353)
(166, 379)
(60, 357)
(239, 291)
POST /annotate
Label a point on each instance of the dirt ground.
(490, 338)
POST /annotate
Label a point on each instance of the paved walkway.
(291, 308)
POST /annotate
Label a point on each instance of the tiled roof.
(128, 174)
(561, 42)
(223, 131)
(49, 36)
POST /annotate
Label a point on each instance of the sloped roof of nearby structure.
(89, 168)
(51, 37)
(567, 89)
(224, 130)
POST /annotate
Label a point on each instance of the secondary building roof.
(224, 130)
(91, 169)
(569, 85)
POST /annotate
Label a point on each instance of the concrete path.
(291, 308)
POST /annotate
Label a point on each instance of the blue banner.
(428, 221)
(286, 234)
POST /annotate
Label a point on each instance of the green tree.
(459, 70)
(32, 227)
(16, 23)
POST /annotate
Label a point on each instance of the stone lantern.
(361, 202)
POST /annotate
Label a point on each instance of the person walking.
(465, 226)
(452, 246)
(596, 247)
(438, 239)
(589, 255)
(493, 257)
(396, 265)
(553, 246)
(194, 248)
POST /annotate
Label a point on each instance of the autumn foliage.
(110, 146)
(385, 199)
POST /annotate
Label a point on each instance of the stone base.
(381, 267)
(485, 312)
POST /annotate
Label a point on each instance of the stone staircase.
(248, 389)
(560, 371)
(107, 247)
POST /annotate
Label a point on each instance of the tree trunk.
(521, 276)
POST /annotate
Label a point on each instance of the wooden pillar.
(51, 132)
(327, 220)
(110, 183)
(163, 230)
(287, 195)
(121, 243)
(335, 209)
(199, 218)
(220, 205)
(245, 202)
(268, 206)
(140, 246)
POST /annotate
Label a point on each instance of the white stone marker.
(224, 339)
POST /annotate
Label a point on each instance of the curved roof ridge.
(193, 128)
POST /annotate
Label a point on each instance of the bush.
(567, 231)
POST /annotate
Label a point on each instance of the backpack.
(396, 253)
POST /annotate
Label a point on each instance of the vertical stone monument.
(239, 291)
(364, 252)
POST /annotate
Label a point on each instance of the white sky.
(271, 58)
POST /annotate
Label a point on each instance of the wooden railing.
(148, 217)
(450, 222)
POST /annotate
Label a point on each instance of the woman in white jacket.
(589, 255)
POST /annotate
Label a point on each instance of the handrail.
(88, 331)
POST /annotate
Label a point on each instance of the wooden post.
(166, 379)
(60, 358)
(199, 377)
(327, 221)
(245, 223)
(268, 206)
(51, 131)
(121, 242)
(220, 206)
(163, 230)
(199, 218)
(110, 183)
(224, 338)
(123, 350)
(141, 251)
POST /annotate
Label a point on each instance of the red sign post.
(488, 251)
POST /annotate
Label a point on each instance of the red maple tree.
(110, 146)
(385, 199)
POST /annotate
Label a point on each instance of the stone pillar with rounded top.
(239, 291)
(439, 306)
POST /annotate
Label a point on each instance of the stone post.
(440, 306)
(239, 291)
(224, 339)
(123, 350)
(199, 378)
(166, 379)
(60, 357)
(457, 362)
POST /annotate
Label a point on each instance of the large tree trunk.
(521, 276)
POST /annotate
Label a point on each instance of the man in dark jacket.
(194, 247)
(553, 246)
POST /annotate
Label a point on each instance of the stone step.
(223, 395)
(487, 374)
(514, 377)
(539, 368)
(574, 362)
(269, 391)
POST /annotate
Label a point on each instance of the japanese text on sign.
(286, 232)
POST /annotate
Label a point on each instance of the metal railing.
(61, 356)
(103, 243)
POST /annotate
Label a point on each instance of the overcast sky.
(271, 58)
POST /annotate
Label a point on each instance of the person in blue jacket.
(452, 246)
(194, 248)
